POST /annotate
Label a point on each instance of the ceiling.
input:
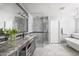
(50, 9)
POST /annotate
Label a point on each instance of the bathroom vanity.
(24, 47)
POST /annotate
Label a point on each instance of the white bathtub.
(72, 42)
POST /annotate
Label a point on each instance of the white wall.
(66, 18)
(68, 24)
(53, 31)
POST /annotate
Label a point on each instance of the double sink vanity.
(25, 46)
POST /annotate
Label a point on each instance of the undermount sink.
(28, 36)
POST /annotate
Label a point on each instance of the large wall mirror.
(11, 16)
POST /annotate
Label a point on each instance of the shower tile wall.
(40, 29)
(37, 25)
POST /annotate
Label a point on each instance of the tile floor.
(55, 50)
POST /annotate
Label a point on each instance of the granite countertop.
(19, 43)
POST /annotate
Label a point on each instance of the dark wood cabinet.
(28, 49)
